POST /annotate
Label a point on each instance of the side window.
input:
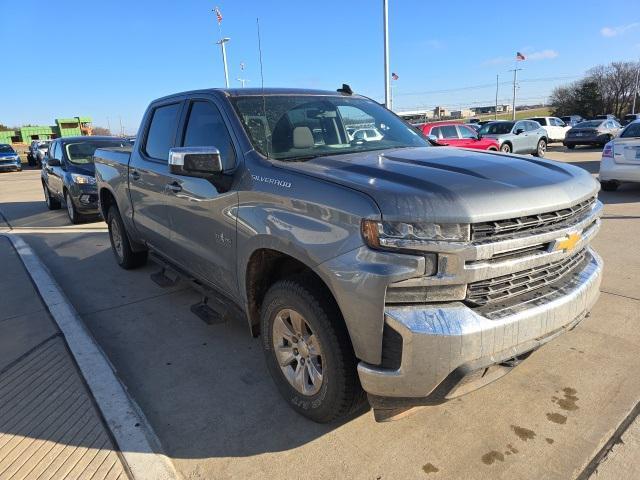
(449, 131)
(531, 126)
(519, 125)
(435, 131)
(206, 128)
(608, 124)
(162, 130)
(57, 151)
(466, 132)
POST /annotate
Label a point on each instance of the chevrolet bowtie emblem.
(567, 244)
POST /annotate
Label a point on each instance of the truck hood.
(442, 184)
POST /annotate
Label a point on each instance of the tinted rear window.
(633, 130)
(162, 130)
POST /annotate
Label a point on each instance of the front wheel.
(52, 203)
(505, 148)
(74, 216)
(120, 245)
(492, 149)
(571, 146)
(541, 148)
(308, 352)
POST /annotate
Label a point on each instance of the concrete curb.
(135, 438)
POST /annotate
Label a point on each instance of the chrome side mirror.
(195, 161)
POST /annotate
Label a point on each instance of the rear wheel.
(541, 148)
(609, 186)
(308, 352)
(571, 147)
(505, 148)
(492, 149)
(120, 245)
(52, 203)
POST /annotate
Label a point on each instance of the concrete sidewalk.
(50, 427)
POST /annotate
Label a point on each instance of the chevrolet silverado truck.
(387, 267)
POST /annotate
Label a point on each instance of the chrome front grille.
(489, 231)
(500, 288)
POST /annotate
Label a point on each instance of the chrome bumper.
(438, 341)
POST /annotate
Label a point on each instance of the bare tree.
(605, 89)
(101, 131)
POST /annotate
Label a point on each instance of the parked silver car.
(523, 136)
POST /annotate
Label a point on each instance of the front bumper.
(445, 346)
(622, 172)
(14, 165)
(85, 198)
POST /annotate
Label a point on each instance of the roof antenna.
(264, 100)
(346, 89)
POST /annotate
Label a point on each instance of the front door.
(55, 172)
(201, 215)
(149, 176)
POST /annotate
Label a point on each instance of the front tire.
(120, 245)
(307, 351)
(52, 203)
(571, 146)
(72, 212)
(505, 148)
(541, 149)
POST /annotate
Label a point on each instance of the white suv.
(556, 128)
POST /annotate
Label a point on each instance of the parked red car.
(457, 135)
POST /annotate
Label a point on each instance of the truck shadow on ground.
(204, 388)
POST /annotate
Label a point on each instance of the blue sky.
(108, 60)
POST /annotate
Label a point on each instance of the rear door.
(201, 215)
(448, 135)
(149, 175)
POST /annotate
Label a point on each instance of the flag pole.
(387, 80)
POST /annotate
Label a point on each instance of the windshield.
(299, 127)
(496, 128)
(6, 149)
(589, 123)
(633, 130)
(81, 152)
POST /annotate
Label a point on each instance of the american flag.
(218, 15)
(520, 56)
(394, 76)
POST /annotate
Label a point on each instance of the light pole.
(515, 81)
(387, 80)
(224, 60)
(495, 112)
(635, 92)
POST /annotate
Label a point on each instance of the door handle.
(134, 175)
(175, 187)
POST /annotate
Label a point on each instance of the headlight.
(411, 236)
(83, 179)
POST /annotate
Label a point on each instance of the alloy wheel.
(116, 239)
(298, 352)
(70, 210)
(47, 198)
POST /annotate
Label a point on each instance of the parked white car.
(621, 158)
(555, 127)
(367, 134)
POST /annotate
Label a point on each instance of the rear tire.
(609, 186)
(571, 147)
(541, 149)
(337, 393)
(492, 149)
(120, 245)
(52, 203)
(505, 148)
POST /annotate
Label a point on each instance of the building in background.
(64, 127)
(464, 113)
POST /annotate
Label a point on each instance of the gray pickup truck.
(388, 266)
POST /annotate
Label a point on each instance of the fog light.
(85, 198)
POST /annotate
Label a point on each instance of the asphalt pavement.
(207, 394)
